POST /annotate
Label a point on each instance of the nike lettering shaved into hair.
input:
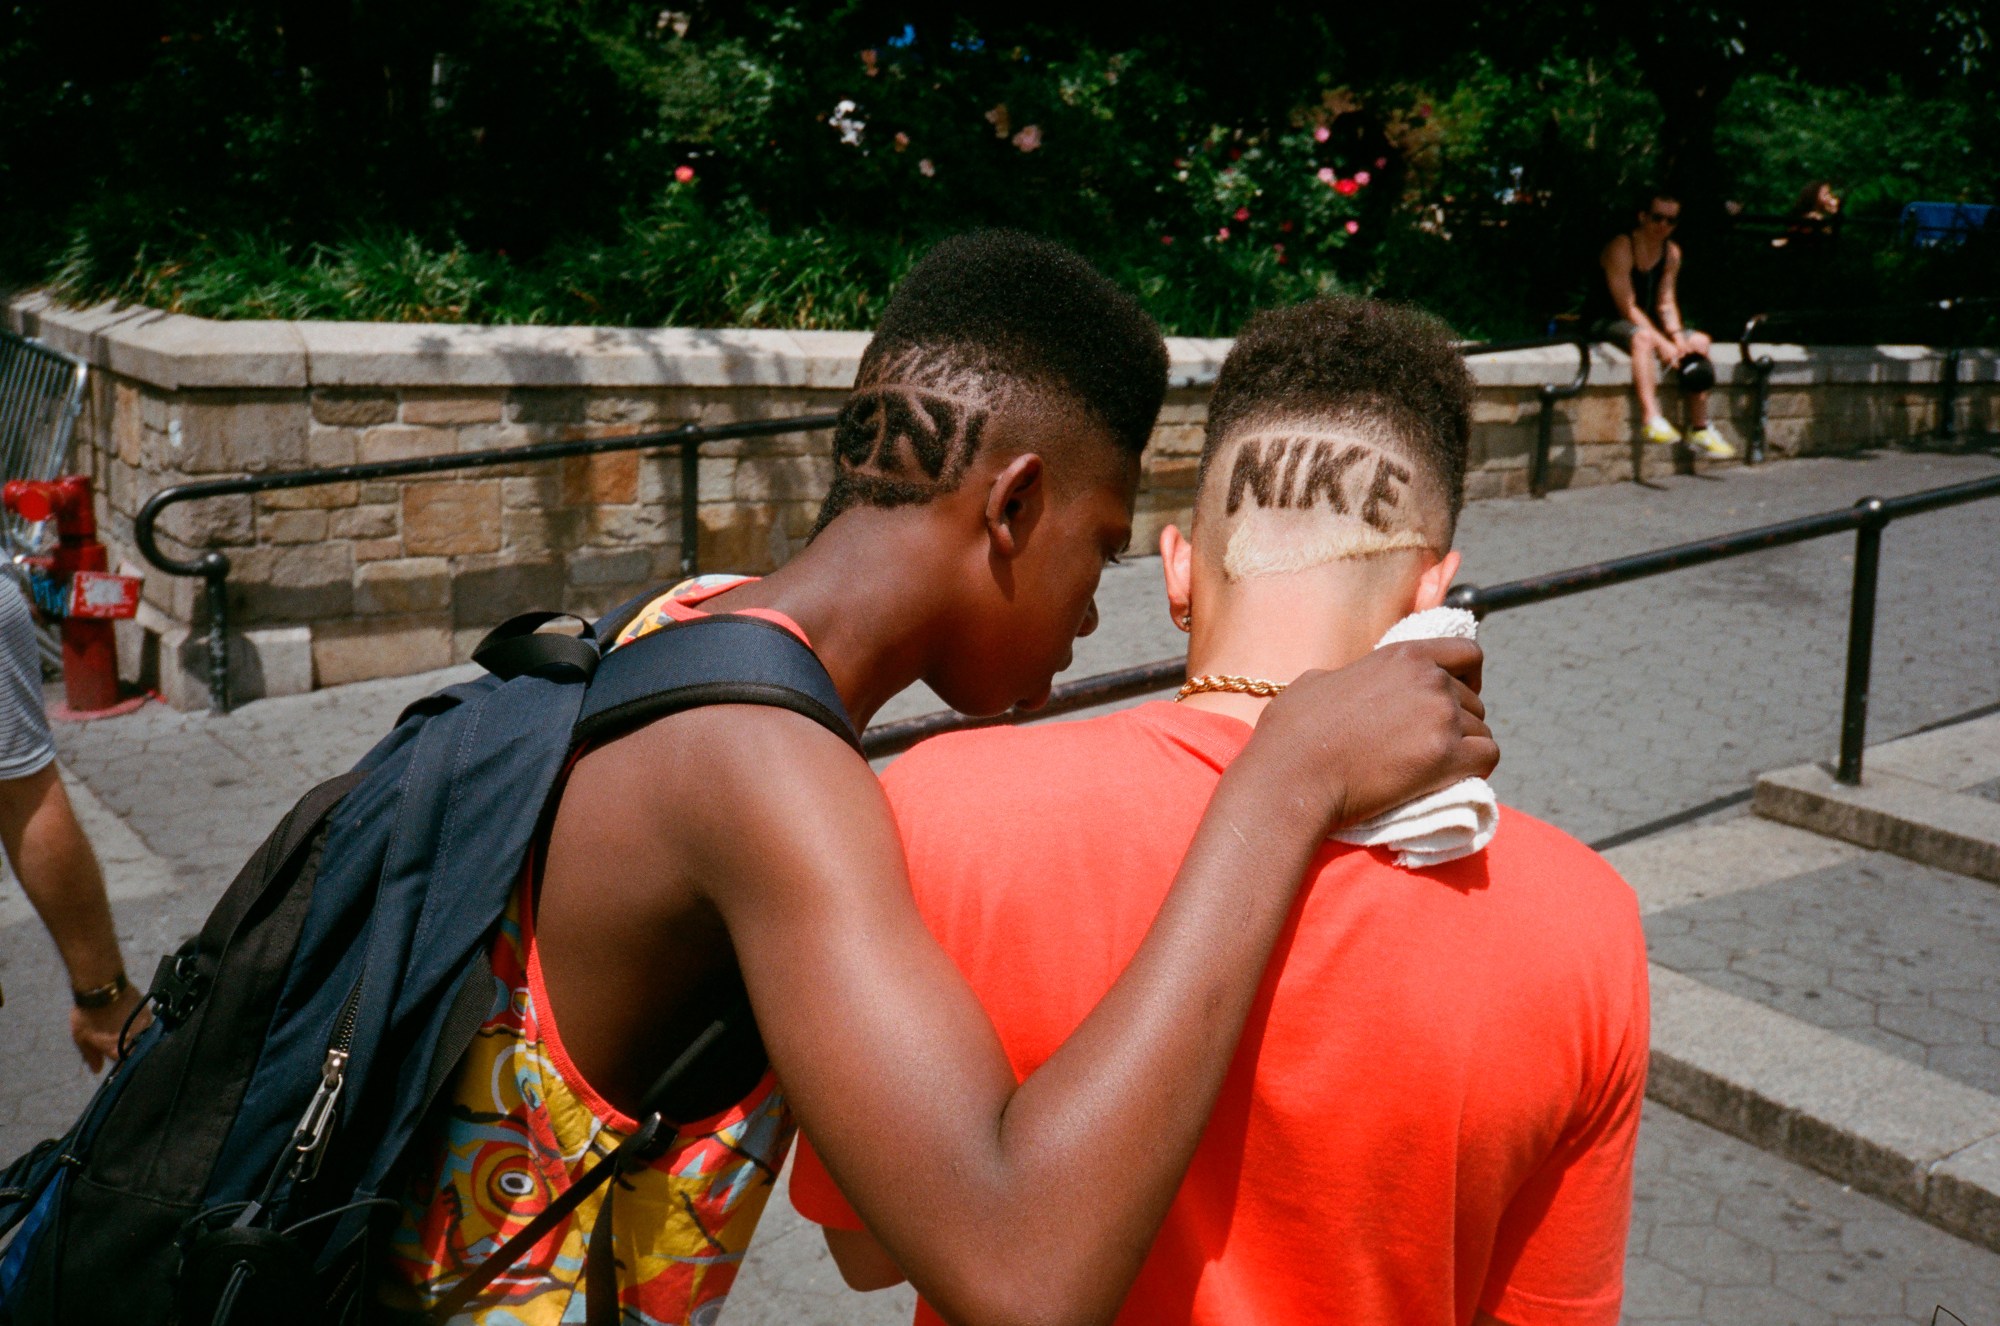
(1338, 428)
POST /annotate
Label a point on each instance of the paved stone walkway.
(1614, 709)
(1882, 950)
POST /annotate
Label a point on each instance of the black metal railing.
(1867, 518)
(1548, 394)
(212, 565)
(1943, 316)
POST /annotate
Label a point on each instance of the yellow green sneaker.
(1710, 443)
(1660, 432)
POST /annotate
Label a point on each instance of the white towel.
(1445, 825)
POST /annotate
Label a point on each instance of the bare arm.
(59, 873)
(1672, 326)
(890, 1060)
(1617, 263)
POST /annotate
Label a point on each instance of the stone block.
(656, 409)
(220, 432)
(307, 582)
(629, 524)
(1494, 406)
(332, 446)
(1889, 813)
(215, 520)
(453, 407)
(739, 538)
(382, 492)
(539, 490)
(547, 406)
(783, 479)
(403, 586)
(291, 526)
(603, 566)
(128, 428)
(543, 530)
(717, 479)
(319, 497)
(353, 407)
(361, 649)
(374, 550)
(1175, 473)
(1596, 416)
(406, 442)
(153, 410)
(456, 517)
(1176, 440)
(488, 590)
(659, 479)
(609, 478)
(364, 522)
(270, 662)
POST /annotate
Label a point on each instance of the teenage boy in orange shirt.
(985, 469)
(1378, 1153)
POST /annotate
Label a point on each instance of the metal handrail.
(213, 565)
(1867, 518)
(1762, 366)
(1549, 394)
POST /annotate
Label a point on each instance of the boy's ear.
(1013, 501)
(1435, 583)
(1177, 568)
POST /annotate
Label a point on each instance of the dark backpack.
(234, 1166)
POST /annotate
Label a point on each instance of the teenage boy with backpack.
(529, 964)
(986, 466)
(1377, 1153)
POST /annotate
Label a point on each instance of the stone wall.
(349, 581)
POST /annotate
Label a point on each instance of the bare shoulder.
(1620, 247)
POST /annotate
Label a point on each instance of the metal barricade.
(41, 394)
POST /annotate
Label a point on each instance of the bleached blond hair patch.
(1318, 497)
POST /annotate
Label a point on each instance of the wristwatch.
(102, 996)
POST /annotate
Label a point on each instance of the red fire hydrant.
(73, 584)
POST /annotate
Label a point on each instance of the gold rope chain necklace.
(1220, 681)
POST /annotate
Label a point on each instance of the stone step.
(1922, 1140)
(1933, 797)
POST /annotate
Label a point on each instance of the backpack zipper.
(315, 1130)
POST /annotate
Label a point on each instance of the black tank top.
(1645, 285)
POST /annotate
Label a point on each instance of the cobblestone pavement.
(1881, 950)
(1614, 709)
(1727, 1235)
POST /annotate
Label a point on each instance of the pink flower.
(1361, 177)
(1353, 227)
(1222, 234)
(1242, 214)
(1321, 133)
(1381, 162)
(1326, 174)
(1029, 138)
(1167, 241)
(1346, 188)
(902, 141)
(1278, 249)
(1285, 227)
(685, 174)
(925, 168)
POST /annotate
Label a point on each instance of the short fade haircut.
(1395, 374)
(983, 321)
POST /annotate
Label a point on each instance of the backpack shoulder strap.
(722, 659)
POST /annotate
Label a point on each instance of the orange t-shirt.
(1436, 1100)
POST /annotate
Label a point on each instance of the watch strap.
(102, 996)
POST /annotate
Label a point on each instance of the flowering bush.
(547, 161)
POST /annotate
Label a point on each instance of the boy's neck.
(860, 594)
(1273, 628)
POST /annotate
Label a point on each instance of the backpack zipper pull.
(315, 1128)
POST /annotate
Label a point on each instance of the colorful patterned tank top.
(521, 1125)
